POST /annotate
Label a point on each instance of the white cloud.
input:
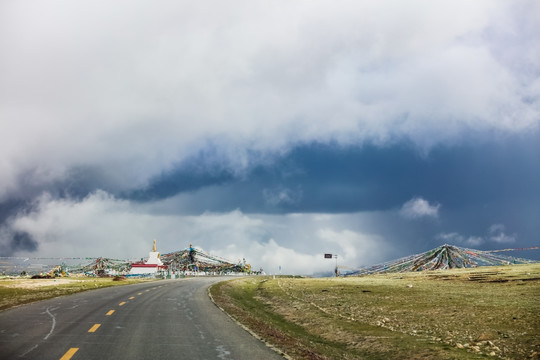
(138, 87)
(270, 256)
(503, 238)
(354, 246)
(474, 241)
(95, 226)
(495, 235)
(351, 247)
(418, 208)
(101, 225)
(496, 228)
(458, 239)
(450, 238)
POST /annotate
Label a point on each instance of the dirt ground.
(18, 291)
(34, 283)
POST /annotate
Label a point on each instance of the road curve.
(169, 319)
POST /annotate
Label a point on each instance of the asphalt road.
(169, 319)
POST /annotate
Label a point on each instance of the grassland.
(490, 312)
(18, 291)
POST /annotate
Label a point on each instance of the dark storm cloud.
(10, 207)
(191, 175)
(18, 242)
(178, 181)
(23, 241)
(333, 178)
(464, 189)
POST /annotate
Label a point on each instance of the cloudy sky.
(271, 130)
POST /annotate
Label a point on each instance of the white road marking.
(53, 324)
(28, 351)
(222, 352)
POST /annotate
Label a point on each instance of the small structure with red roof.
(152, 266)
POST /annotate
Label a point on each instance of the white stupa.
(150, 266)
(153, 256)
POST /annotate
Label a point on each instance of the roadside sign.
(327, 256)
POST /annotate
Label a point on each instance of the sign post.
(334, 256)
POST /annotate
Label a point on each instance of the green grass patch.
(490, 312)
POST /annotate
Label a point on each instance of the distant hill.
(443, 257)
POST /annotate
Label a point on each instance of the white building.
(149, 267)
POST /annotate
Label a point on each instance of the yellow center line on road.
(139, 294)
(69, 354)
(94, 328)
(122, 303)
(146, 290)
(110, 312)
(131, 298)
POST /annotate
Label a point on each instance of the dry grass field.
(18, 291)
(489, 312)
